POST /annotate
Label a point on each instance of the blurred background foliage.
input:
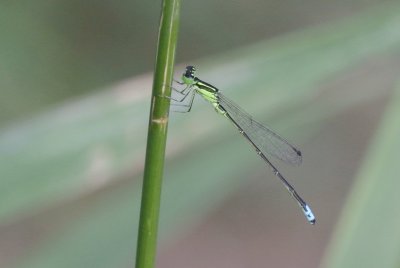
(74, 109)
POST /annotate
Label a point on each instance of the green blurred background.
(75, 81)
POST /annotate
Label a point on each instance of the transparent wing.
(266, 140)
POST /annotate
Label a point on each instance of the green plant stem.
(157, 135)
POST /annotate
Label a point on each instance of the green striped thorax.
(189, 79)
(204, 89)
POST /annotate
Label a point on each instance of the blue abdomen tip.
(309, 214)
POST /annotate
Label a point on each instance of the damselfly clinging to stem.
(264, 140)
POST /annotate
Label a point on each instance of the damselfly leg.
(187, 92)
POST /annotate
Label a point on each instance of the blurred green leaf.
(368, 232)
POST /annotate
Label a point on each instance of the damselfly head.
(189, 73)
(188, 76)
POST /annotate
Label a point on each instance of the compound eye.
(190, 70)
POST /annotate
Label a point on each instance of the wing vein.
(264, 138)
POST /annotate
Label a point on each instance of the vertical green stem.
(157, 135)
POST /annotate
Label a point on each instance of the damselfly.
(264, 140)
